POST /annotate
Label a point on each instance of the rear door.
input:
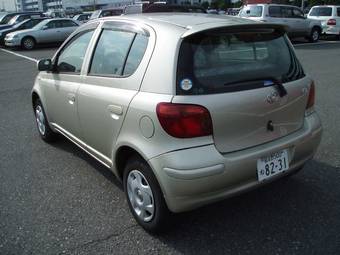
(236, 76)
(113, 79)
(66, 28)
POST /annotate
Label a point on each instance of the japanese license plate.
(272, 165)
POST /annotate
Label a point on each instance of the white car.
(291, 16)
(329, 16)
(47, 31)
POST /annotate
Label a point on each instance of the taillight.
(311, 98)
(184, 120)
(331, 22)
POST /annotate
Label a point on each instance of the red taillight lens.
(311, 96)
(184, 120)
(331, 22)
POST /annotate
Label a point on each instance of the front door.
(61, 86)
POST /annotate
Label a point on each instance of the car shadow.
(64, 144)
(284, 217)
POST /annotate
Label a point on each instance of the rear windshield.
(218, 62)
(251, 11)
(321, 11)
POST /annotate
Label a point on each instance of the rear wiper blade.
(267, 81)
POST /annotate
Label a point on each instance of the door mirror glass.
(45, 65)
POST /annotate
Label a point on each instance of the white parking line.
(318, 43)
(19, 55)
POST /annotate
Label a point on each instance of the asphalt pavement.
(56, 199)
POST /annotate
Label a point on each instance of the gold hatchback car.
(185, 109)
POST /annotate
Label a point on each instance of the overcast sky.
(8, 4)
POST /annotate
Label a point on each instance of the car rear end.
(242, 89)
(329, 17)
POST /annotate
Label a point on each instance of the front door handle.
(115, 111)
(71, 98)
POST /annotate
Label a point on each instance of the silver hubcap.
(140, 195)
(28, 43)
(315, 35)
(39, 115)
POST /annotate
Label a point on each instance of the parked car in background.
(47, 31)
(55, 14)
(230, 109)
(21, 17)
(290, 16)
(329, 16)
(107, 13)
(26, 24)
(233, 11)
(7, 16)
(82, 18)
(147, 7)
(72, 11)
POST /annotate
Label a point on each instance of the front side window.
(297, 13)
(52, 24)
(218, 62)
(111, 52)
(72, 57)
(287, 12)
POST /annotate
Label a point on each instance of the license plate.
(272, 165)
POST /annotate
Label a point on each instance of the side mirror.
(45, 65)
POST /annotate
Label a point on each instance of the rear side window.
(136, 54)
(251, 11)
(321, 11)
(218, 62)
(338, 12)
(68, 23)
(275, 12)
(111, 52)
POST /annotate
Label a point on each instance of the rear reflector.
(311, 96)
(331, 22)
(184, 120)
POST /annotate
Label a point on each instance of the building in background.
(38, 5)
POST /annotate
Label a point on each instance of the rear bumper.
(194, 177)
(331, 30)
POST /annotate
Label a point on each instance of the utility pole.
(94, 5)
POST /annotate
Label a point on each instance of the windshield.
(251, 11)
(13, 20)
(95, 14)
(321, 11)
(6, 18)
(217, 62)
(41, 24)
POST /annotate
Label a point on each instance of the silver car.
(185, 109)
(329, 16)
(290, 16)
(47, 31)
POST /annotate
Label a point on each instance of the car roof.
(182, 20)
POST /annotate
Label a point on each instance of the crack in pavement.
(99, 240)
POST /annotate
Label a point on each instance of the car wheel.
(45, 132)
(314, 35)
(144, 196)
(28, 43)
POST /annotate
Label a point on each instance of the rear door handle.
(71, 98)
(115, 111)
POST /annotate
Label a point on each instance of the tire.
(28, 43)
(314, 35)
(144, 196)
(45, 132)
